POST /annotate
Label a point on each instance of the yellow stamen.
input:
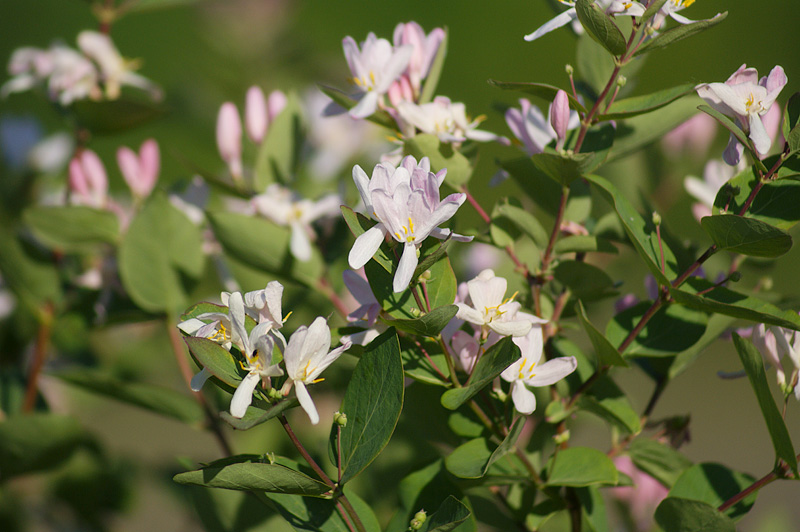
(287, 316)
(410, 224)
(315, 381)
(372, 77)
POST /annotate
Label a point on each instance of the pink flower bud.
(140, 172)
(275, 104)
(229, 138)
(559, 117)
(88, 180)
(401, 91)
(255, 114)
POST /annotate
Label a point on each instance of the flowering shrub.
(503, 362)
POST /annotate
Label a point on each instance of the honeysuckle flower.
(532, 129)
(715, 175)
(114, 70)
(445, 119)
(774, 343)
(643, 497)
(306, 357)
(465, 347)
(559, 117)
(260, 111)
(425, 48)
(746, 98)
(359, 288)
(670, 9)
(489, 309)
(405, 202)
(284, 207)
(611, 7)
(527, 371)
(694, 135)
(88, 182)
(229, 138)
(140, 171)
(374, 67)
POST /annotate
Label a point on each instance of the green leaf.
(442, 155)
(714, 484)
(606, 400)
(754, 366)
(450, 514)
(431, 324)
(442, 285)
(562, 168)
(717, 324)
(38, 442)
(728, 124)
(601, 27)
(594, 508)
(791, 122)
(679, 32)
(526, 222)
(153, 398)
(417, 366)
(359, 224)
(151, 5)
(474, 458)
(256, 416)
(490, 365)
(638, 105)
(254, 476)
(584, 280)
(33, 278)
(584, 244)
(132, 109)
(372, 403)
(216, 359)
(607, 354)
(641, 231)
(682, 515)
(746, 236)
(541, 90)
(658, 460)
(278, 154)
(654, 8)
(579, 467)
(264, 245)
(310, 514)
(72, 228)
(435, 71)
(672, 329)
(775, 203)
(725, 301)
(158, 252)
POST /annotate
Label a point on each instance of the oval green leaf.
(490, 365)
(74, 228)
(746, 236)
(601, 27)
(254, 476)
(683, 515)
(579, 467)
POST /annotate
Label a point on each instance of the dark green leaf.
(601, 27)
(542, 90)
(434, 72)
(683, 515)
(640, 230)
(672, 329)
(579, 467)
(490, 365)
(607, 400)
(132, 109)
(442, 155)
(654, 8)
(278, 154)
(638, 105)
(430, 324)
(526, 222)
(254, 476)
(594, 508)
(159, 251)
(679, 32)
(607, 354)
(216, 359)
(791, 122)
(153, 398)
(255, 416)
(717, 324)
(747, 236)
(584, 280)
(372, 403)
(584, 244)
(775, 203)
(474, 458)
(359, 224)
(714, 484)
(658, 460)
(417, 366)
(264, 245)
(150, 5)
(754, 366)
(450, 514)
(72, 228)
(38, 442)
(206, 308)
(309, 514)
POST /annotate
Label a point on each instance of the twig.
(39, 356)
(755, 486)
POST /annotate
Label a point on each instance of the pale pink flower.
(229, 138)
(88, 182)
(445, 119)
(560, 117)
(694, 136)
(643, 497)
(715, 175)
(425, 47)
(531, 127)
(140, 171)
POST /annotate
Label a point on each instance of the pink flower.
(559, 117)
(229, 138)
(643, 497)
(694, 136)
(532, 129)
(425, 48)
(140, 172)
(87, 180)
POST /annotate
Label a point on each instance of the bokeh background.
(204, 53)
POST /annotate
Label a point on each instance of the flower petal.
(524, 400)
(560, 20)
(199, 380)
(306, 402)
(405, 270)
(366, 245)
(553, 371)
(243, 395)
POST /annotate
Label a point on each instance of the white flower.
(490, 309)
(715, 175)
(374, 67)
(532, 129)
(445, 119)
(283, 207)
(115, 70)
(611, 7)
(306, 357)
(774, 343)
(527, 371)
(670, 9)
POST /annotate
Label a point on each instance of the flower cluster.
(96, 72)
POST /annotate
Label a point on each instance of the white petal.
(306, 402)
(366, 245)
(191, 326)
(759, 135)
(561, 20)
(239, 335)
(700, 190)
(367, 106)
(510, 328)
(299, 244)
(243, 395)
(199, 380)
(405, 270)
(524, 400)
(553, 371)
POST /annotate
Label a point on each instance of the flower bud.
(735, 277)
(229, 138)
(656, 218)
(621, 81)
(415, 312)
(140, 172)
(88, 180)
(561, 438)
(255, 114)
(569, 69)
(275, 104)
(559, 117)
(421, 516)
(340, 419)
